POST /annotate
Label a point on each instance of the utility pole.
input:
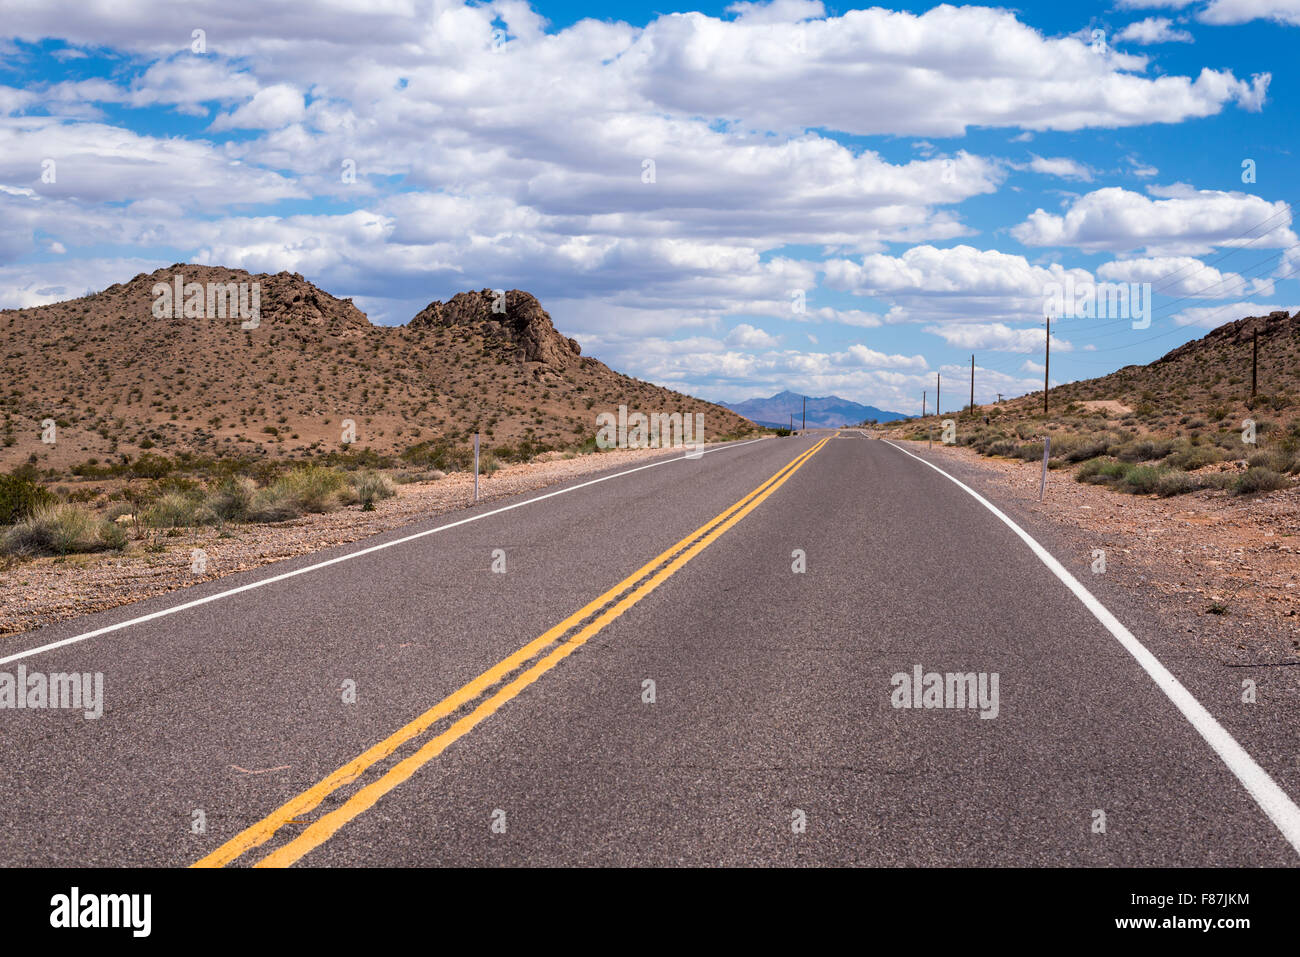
(972, 386)
(804, 427)
(791, 421)
(936, 394)
(1047, 359)
(999, 402)
(923, 398)
(1254, 363)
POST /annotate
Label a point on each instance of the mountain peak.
(517, 316)
(284, 299)
(823, 411)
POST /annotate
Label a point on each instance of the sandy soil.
(1106, 405)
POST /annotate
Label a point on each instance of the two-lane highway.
(697, 661)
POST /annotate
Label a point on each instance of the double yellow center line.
(508, 677)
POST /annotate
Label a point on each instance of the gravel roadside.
(1225, 568)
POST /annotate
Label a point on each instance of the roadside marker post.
(1047, 359)
(1047, 452)
(476, 466)
(1254, 363)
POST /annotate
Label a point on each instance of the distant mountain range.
(824, 412)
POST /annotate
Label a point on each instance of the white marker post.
(476, 466)
(1047, 452)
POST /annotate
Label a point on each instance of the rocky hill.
(1187, 422)
(1205, 383)
(133, 369)
(1206, 380)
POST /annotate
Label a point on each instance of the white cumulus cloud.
(1153, 30)
(1187, 221)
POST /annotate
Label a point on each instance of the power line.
(1201, 293)
(1286, 209)
(1162, 282)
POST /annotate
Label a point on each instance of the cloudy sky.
(730, 199)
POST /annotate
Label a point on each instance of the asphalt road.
(773, 737)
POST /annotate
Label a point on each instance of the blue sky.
(844, 200)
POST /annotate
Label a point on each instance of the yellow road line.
(325, 828)
(263, 830)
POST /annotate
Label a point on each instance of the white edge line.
(1274, 801)
(161, 613)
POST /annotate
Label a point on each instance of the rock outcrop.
(1237, 332)
(286, 300)
(519, 317)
